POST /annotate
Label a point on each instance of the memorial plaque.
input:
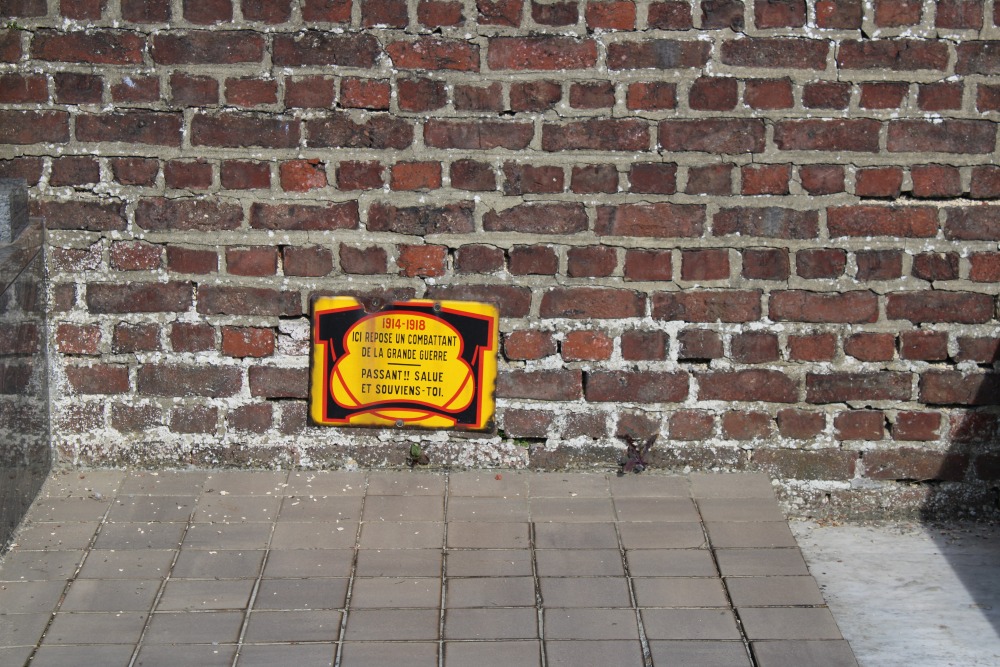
(423, 364)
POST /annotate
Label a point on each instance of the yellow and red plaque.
(426, 364)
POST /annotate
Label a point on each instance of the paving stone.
(511, 484)
(656, 509)
(299, 655)
(571, 510)
(121, 536)
(585, 592)
(194, 594)
(670, 563)
(232, 535)
(108, 564)
(301, 594)
(312, 563)
(402, 535)
(492, 654)
(488, 563)
(80, 628)
(214, 508)
(110, 595)
(760, 562)
(221, 627)
(164, 483)
(82, 484)
(679, 592)
(579, 562)
(415, 484)
(381, 653)
(649, 486)
(593, 653)
(151, 508)
(472, 535)
(689, 624)
(314, 535)
(395, 624)
(490, 592)
(40, 565)
(399, 562)
(590, 624)
(56, 537)
(65, 510)
(773, 591)
(567, 485)
(758, 534)
(393, 592)
(684, 653)
(739, 509)
(74, 656)
(575, 536)
(488, 509)
(300, 508)
(30, 596)
(656, 535)
(22, 629)
(509, 623)
(16, 655)
(219, 564)
(265, 627)
(789, 623)
(171, 655)
(246, 483)
(323, 483)
(832, 653)
(403, 508)
(733, 485)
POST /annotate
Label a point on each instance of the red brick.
(302, 175)
(768, 94)
(882, 95)
(73, 88)
(306, 261)
(592, 95)
(936, 306)
(708, 264)
(512, 301)
(935, 266)
(98, 379)
(251, 418)
(105, 298)
(421, 220)
(900, 55)
(192, 260)
(812, 347)
(935, 180)
(254, 301)
(699, 345)
(651, 96)
(270, 382)
(528, 344)
(359, 175)
(781, 52)
(594, 178)
(959, 14)
(542, 385)
(871, 346)
(587, 346)
(304, 217)
(63, 298)
(383, 13)
(533, 260)
(557, 218)
(191, 91)
(860, 134)
(141, 127)
(746, 425)
(670, 15)
(636, 387)
(984, 267)
(641, 345)
(434, 53)
(135, 338)
(979, 350)
(309, 92)
(879, 182)
(136, 89)
(200, 47)
(852, 307)
(653, 178)
(612, 15)
(713, 179)
(648, 265)
(146, 11)
(435, 13)
(713, 94)
(422, 260)
(181, 380)
(327, 11)
(483, 135)
(596, 303)
(750, 385)
(75, 260)
(591, 261)
(985, 182)
(372, 94)
(769, 179)
(188, 175)
(251, 92)
(721, 14)
(32, 127)
(839, 14)
(662, 54)
(987, 97)
(472, 175)
(476, 258)
(20, 89)
(254, 261)
(779, 13)
(800, 424)
(74, 170)
(879, 264)
(754, 347)
(893, 221)
(626, 134)
(766, 264)
(691, 425)
(956, 388)
(659, 220)
(637, 425)
(499, 12)
(940, 96)
(78, 339)
(916, 464)
(859, 425)
(10, 46)
(479, 98)
(185, 337)
(707, 306)
(980, 223)
(135, 418)
(247, 342)
(135, 256)
(944, 136)
(28, 168)
(923, 345)
(713, 135)
(232, 130)
(541, 53)
(159, 214)
(555, 13)
(527, 423)
(897, 13)
(98, 47)
(824, 464)
(267, 11)
(194, 419)
(822, 179)
(238, 175)
(206, 12)
(847, 387)
(522, 179)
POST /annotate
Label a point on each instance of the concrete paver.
(351, 569)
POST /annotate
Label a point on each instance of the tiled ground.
(410, 568)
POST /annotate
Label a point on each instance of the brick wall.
(760, 229)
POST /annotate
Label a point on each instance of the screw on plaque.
(436, 307)
(399, 423)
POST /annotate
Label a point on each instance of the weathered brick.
(923, 345)
(247, 342)
(750, 385)
(534, 95)
(979, 350)
(21, 89)
(754, 347)
(699, 345)
(652, 96)
(935, 266)
(722, 135)
(28, 168)
(592, 95)
(892, 221)
(477, 258)
(915, 464)
(421, 220)
(207, 48)
(766, 264)
(861, 135)
(541, 53)
(160, 214)
(839, 14)
(613, 15)
(587, 346)
(871, 346)
(78, 338)
(191, 337)
(365, 261)
(670, 15)
(520, 179)
(251, 418)
(594, 178)
(479, 98)
(190, 91)
(422, 260)
(879, 182)
(135, 256)
(636, 387)
(98, 379)
(33, 127)
(543, 385)
(937, 306)
(706, 264)
(473, 175)
(859, 425)
(648, 265)
(558, 218)
(533, 260)
(142, 127)
(984, 267)
(240, 131)
(896, 13)
(826, 464)
(596, 134)
(662, 54)
(740, 425)
(691, 425)
(768, 179)
(181, 380)
(256, 301)
(139, 297)
(302, 175)
(74, 170)
(253, 261)
(957, 388)
(653, 178)
(187, 175)
(591, 261)
(978, 57)
(714, 179)
(315, 48)
(853, 307)
(135, 338)
(822, 179)
(659, 220)
(192, 260)
(878, 265)
(935, 180)
(135, 418)
(512, 301)
(641, 345)
(437, 13)
(433, 53)
(306, 261)
(273, 382)
(239, 175)
(98, 47)
(772, 94)
(483, 135)
(587, 302)
(898, 55)
(305, 217)
(845, 387)
(812, 347)
(528, 344)
(941, 136)
(707, 306)
(800, 424)
(976, 223)
(193, 419)
(766, 52)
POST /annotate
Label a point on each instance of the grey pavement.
(411, 568)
